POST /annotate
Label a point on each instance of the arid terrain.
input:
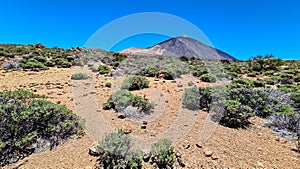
(253, 147)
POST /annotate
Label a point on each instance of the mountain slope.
(181, 46)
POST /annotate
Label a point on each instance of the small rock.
(208, 152)
(145, 122)
(127, 129)
(121, 115)
(214, 157)
(58, 102)
(282, 140)
(259, 134)
(179, 160)
(178, 154)
(93, 151)
(198, 145)
(144, 127)
(259, 149)
(146, 157)
(186, 144)
(260, 164)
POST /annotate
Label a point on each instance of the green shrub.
(286, 81)
(6, 54)
(163, 153)
(270, 81)
(276, 79)
(93, 69)
(151, 72)
(262, 102)
(198, 70)
(124, 98)
(41, 59)
(252, 74)
(291, 71)
(36, 66)
(233, 113)
(297, 78)
(26, 118)
(269, 72)
(191, 98)
(60, 62)
(115, 152)
(79, 76)
(135, 83)
(288, 76)
(108, 84)
(103, 69)
(231, 75)
(208, 78)
(258, 83)
(243, 82)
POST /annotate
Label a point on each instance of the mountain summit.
(181, 46)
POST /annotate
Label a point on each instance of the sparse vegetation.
(108, 84)
(135, 83)
(115, 152)
(79, 76)
(163, 153)
(28, 123)
(103, 69)
(120, 100)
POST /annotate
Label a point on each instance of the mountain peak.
(181, 46)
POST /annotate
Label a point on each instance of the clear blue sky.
(242, 28)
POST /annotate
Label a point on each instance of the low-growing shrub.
(122, 99)
(233, 113)
(115, 152)
(60, 62)
(233, 105)
(258, 83)
(208, 78)
(151, 72)
(108, 84)
(288, 76)
(286, 81)
(291, 71)
(93, 69)
(79, 76)
(28, 124)
(135, 83)
(252, 74)
(36, 66)
(163, 153)
(243, 82)
(269, 72)
(103, 69)
(297, 78)
(191, 98)
(270, 81)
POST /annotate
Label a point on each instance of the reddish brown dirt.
(254, 147)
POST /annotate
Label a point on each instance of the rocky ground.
(254, 147)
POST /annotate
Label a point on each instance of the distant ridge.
(181, 46)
